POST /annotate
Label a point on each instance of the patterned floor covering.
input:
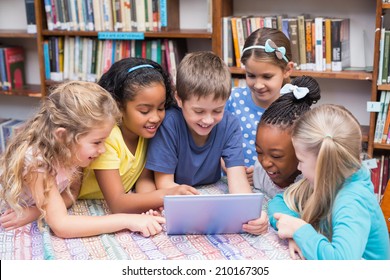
(29, 243)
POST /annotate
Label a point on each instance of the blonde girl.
(332, 213)
(43, 160)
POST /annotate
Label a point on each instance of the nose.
(102, 149)
(155, 117)
(259, 84)
(266, 161)
(208, 119)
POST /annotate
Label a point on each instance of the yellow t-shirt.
(117, 156)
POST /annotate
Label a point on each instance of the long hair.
(77, 106)
(333, 134)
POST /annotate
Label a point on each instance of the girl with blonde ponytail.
(332, 212)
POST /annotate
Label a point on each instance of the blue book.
(3, 73)
(46, 58)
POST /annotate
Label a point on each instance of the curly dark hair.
(124, 85)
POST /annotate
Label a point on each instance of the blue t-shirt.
(249, 114)
(173, 151)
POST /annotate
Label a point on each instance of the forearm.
(277, 205)
(137, 202)
(82, 226)
(237, 180)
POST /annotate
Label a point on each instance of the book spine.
(318, 43)
(30, 16)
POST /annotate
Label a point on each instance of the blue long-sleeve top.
(359, 228)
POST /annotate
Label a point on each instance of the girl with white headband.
(267, 60)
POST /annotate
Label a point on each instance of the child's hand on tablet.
(258, 226)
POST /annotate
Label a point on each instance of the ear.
(288, 70)
(60, 134)
(178, 100)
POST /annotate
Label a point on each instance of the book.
(386, 60)
(6, 132)
(30, 16)
(301, 42)
(379, 120)
(14, 65)
(341, 53)
(310, 54)
(328, 44)
(3, 73)
(235, 42)
(319, 52)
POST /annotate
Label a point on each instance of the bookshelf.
(382, 10)
(347, 82)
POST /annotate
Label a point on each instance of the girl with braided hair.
(268, 66)
(44, 159)
(276, 167)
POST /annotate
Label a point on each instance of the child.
(332, 213)
(40, 162)
(267, 60)
(142, 90)
(276, 167)
(195, 135)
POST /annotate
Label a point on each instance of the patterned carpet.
(29, 243)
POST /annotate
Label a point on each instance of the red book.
(14, 64)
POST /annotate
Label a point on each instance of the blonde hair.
(333, 134)
(201, 74)
(77, 106)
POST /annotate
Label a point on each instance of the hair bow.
(270, 47)
(280, 52)
(299, 92)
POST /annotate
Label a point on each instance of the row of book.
(83, 58)
(380, 175)
(8, 127)
(12, 71)
(382, 130)
(319, 43)
(384, 57)
(106, 15)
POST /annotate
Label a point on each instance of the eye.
(144, 112)
(161, 109)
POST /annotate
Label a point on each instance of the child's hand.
(152, 212)
(181, 190)
(249, 174)
(294, 250)
(9, 220)
(257, 226)
(287, 225)
(147, 225)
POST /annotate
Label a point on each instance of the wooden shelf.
(17, 33)
(28, 90)
(345, 75)
(178, 33)
(365, 131)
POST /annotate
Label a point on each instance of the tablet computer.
(210, 214)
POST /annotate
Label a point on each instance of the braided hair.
(284, 111)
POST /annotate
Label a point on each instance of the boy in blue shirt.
(198, 132)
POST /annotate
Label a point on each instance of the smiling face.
(91, 145)
(201, 115)
(307, 161)
(143, 115)
(276, 154)
(265, 81)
